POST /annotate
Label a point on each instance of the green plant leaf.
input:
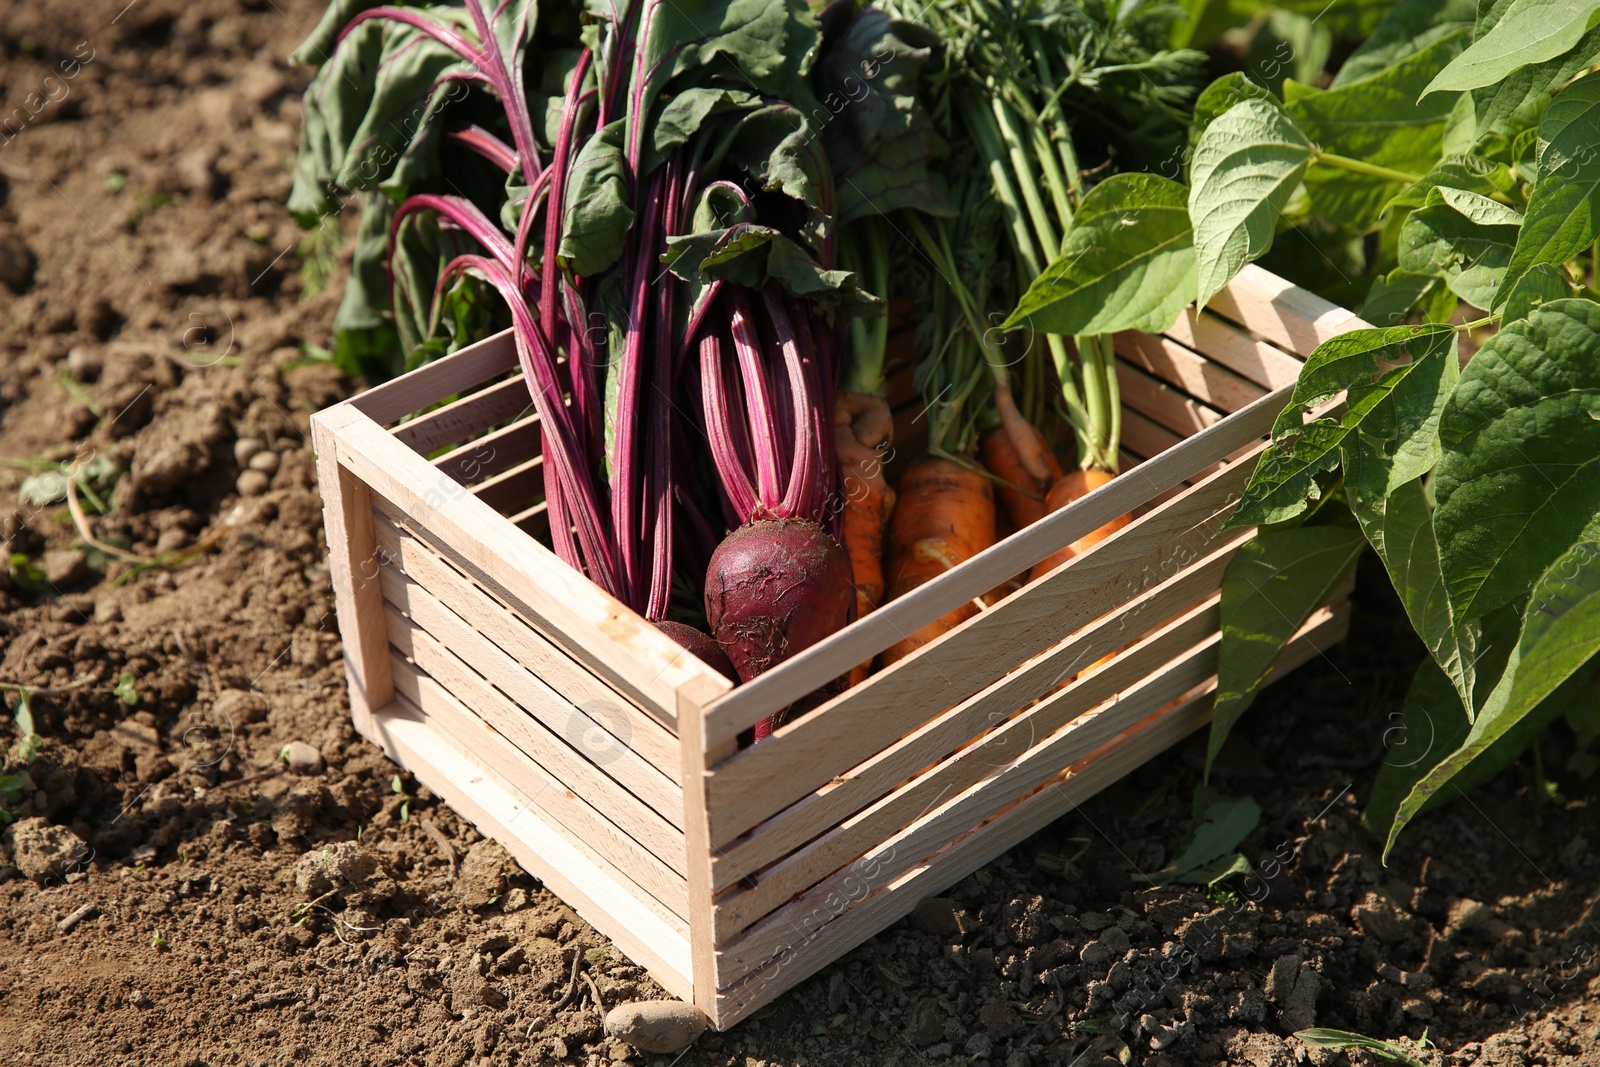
(1232, 88)
(1321, 1037)
(1401, 398)
(1246, 167)
(1518, 101)
(1409, 27)
(1519, 481)
(1126, 263)
(126, 689)
(1544, 283)
(1376, 120)
(1563, 217)
(1529, 31)
(1217, 827)
(1560, 633)
(1269, 590)
(597, 213)
(1471, 258)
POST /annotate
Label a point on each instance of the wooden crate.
(605, 758)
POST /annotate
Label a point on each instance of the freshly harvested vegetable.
(944, 517)
(1021, 493)
(701, 644)
(1071, 486)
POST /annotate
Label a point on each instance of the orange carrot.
(868, 500)
(1070, 487)
(1021, 494)
(945, 517)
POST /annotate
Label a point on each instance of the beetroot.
(776, 587)
(700, 644)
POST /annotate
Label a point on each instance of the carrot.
(1070, 487)
(861, 428)
(945, 516)
(1021, 494)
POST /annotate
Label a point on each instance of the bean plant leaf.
(1560, 633)
(1232, 88)
(1542, 284)
(597, 212)
(1468, 172)
(1377, 120)
(1126, 263)
(1400, 398)
(1247, 165)
(1470, 257)
(1518, 101)
(1563, 218)
(1519, 481)
(1271, 587)
(1218, 827)
(1529, 31)
(1408, 28)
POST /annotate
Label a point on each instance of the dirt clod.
(660, 1026)
(44, 851)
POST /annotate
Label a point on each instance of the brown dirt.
(141, 225)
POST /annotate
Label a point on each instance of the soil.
(154, 889)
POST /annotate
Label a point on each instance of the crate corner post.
(696, 760)
(353, 571)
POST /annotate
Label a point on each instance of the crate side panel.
(486, 456)
(828, 806)
(642, 828)
(866, 637)
(1281, 311)
(496, 809)
(805, 754)
(1168, 360)
(1163, 404)
(504, 626)
(824, 933)
(465, 418)
(651, 881)
(852, 846)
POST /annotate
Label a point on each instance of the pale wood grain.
(1179, 367)
(805, 754)
(1161, 403)
(590, 743)
(501, 624)
(595, 628)
(1281, 311)
(514, 491)
(863, 784)
(353, 559)
(467, 416)
(494, 806)
(821, 934)
(486, 456)
(429, 384)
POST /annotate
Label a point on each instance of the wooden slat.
(565, 808)
(1169, 361)
(815, 932)
(498, 810)
(1150, 439)
(463, 418)
(610, 774)
(867, 637)
(426, 385)
(534, 521)
(492, 453)
(692, 769)
(1281, 311)
(594, 628)
(531, 649)
(514, 491)
(866, 782)
(353, 560)
(859, 836)
(1161, 403)
(804, 754)
(1226, 345)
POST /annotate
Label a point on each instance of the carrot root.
(1070, 487)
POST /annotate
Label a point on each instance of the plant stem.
(1372, 170)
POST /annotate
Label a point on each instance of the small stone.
(253, 483)
(84, 364)
(42, 850)
(659, 1026)
(239, 707)
(302, 758)
(266, 462)
(65, 566)
(247, 448)
(937, 916)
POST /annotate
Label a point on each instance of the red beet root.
(774, 588)
(700, 644)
